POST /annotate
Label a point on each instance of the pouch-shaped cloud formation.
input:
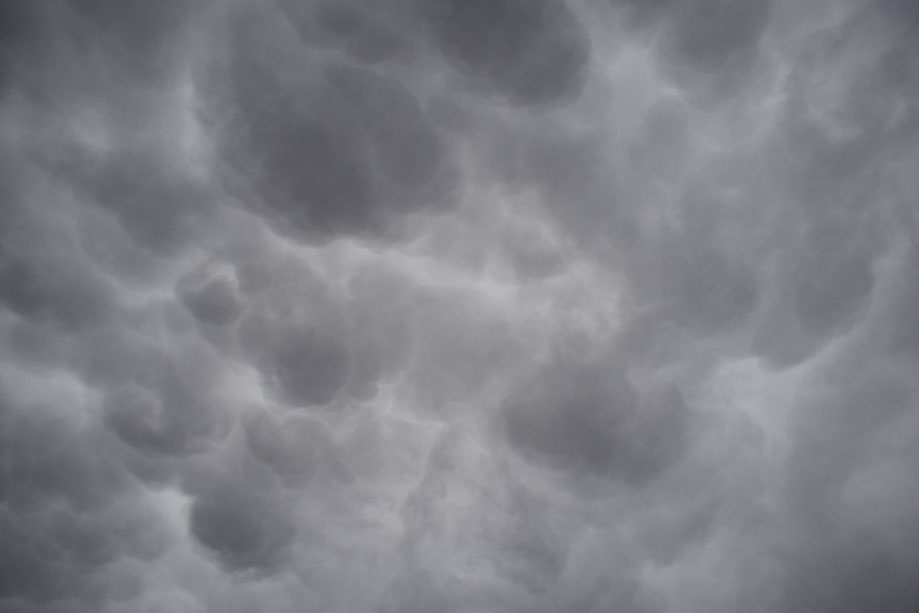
(441, 305)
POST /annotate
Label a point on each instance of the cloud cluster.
(442, 305)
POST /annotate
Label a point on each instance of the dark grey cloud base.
(442, 305)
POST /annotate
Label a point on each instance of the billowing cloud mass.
(423, 306)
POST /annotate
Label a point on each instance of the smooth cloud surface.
(442, 305)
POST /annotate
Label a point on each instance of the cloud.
(245, 533)
(531, 53)
(339, 149)
(301, 366)
(461, 306)
(591, 420)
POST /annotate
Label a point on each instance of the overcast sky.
(459, 306)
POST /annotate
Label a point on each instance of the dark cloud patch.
(142, 40)
(331, 148)
(18, 20)
(833, 278)
(855, 515)
(409, 151)
(32, 567)
(67, 511)
(711, 48)
(310, 345)
(826, 280)
(902, 11)
(303, 364)
(53, 290)
(903, 333)
(21, 24)
(46, 459)
(709, 32)
(530, 53)
(341, 19)
(96, 53)
(309, 367)
(839, 427)
(854, 573)
(44, 275)
(247, 534)
(313, 175)
(211, 298)
(317, 181)
(366, 33)
(588, 420)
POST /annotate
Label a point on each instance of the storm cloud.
(442, 305)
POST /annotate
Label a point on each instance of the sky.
(459, 306)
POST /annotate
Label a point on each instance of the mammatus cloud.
(414, 306)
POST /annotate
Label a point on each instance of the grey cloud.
(157, 206)
(590, 420)
(381, 331)
(44, 277)
(455, 363)
(19, 23)
(369, 33)
(68, 512)
(461, 306)
(66, 470)
(663, 147)
(902, 334)
(175, 423)
(52, 289)
(716, 42)
(839, 132)
(246, 533)
(141, 39)
(332, 149)
(851, 112)
(709, 48)
(211, 296)
(502, 544)
(697, 286)
(638, 13)
(828, 286)
(533, 53)
(157, 403)
(581, 188)
(302, 364)
(849, 503)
